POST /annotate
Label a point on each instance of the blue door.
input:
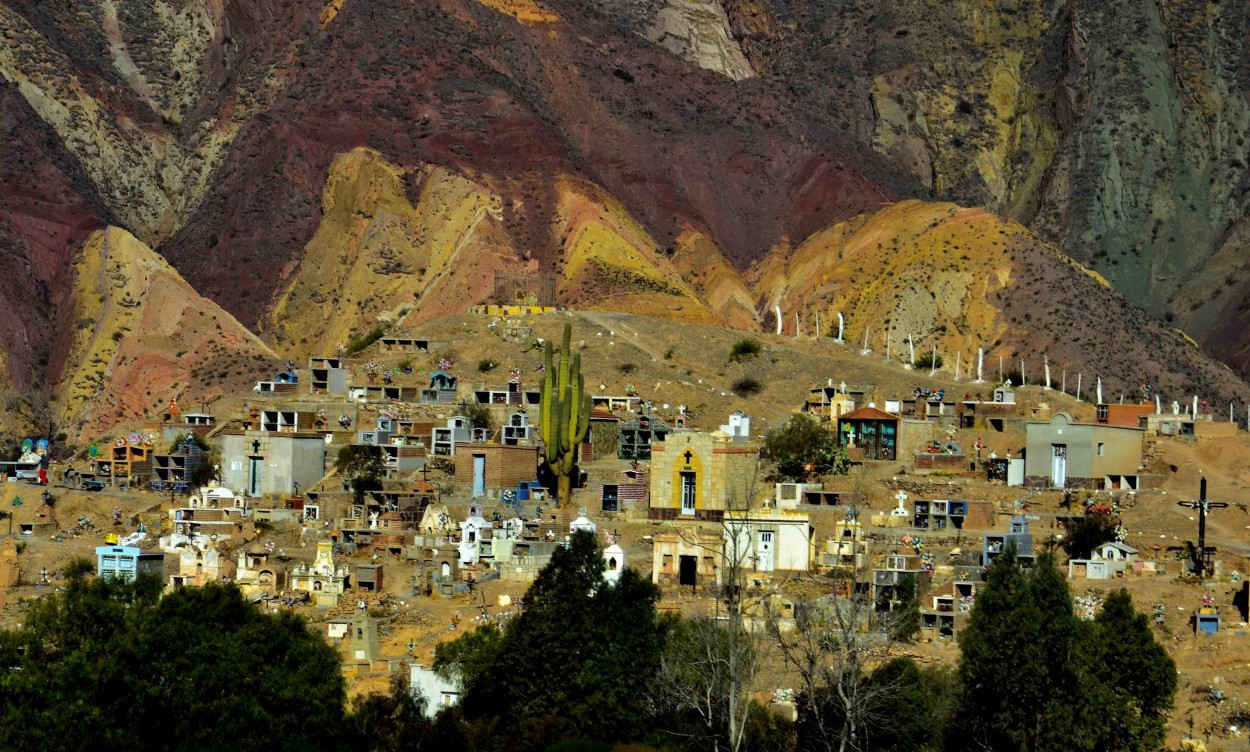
(479, 475)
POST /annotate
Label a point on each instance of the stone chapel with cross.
(698, 476)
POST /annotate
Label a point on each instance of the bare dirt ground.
(673, 364)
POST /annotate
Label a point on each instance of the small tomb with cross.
(701, 475)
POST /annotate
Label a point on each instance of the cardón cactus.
(565, 409)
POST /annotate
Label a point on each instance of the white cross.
(902, 499)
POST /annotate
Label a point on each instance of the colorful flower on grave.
(120, 442)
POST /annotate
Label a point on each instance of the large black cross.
(256, 446)
(1203, 506)
(687, 455)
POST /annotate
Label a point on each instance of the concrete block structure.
(261, 462)
(1064, 453)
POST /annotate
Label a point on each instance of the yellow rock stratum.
(377, 257)
(526, 11)
(929, 270)
(143, 336)
(610, 262)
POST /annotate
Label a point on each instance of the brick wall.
(506, 466)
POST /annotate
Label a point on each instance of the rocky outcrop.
(142, 336)
(698, 31)
(959, 279)
(350, 163)
(379, 258)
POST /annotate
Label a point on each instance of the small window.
(1100, 445)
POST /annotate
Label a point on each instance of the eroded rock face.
(353, 162)
(698, 32)
(145, 95)
(142, 336)
(378, 257)
(1115, 129)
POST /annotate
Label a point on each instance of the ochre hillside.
(962, 279)
(318, 168)
(143, 336)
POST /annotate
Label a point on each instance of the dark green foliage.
(486, 365)
(744, 349)
(1083, 535)
(747, 386)
(1036, 678)
(356, 344)
(364, 465)
(359, 459)
(913, 705)
(109, 665)
(929, 360)
(1136, 672)
(802, 443)
(574, 665)
(469, 656)
(1016, 669)
(479, 416)
(905, 619)
(396, 722)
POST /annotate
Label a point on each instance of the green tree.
(1083, 535)
(913, 706)
(1024, 661)
(479, 416)
(905, 620)
(108, 665)
(396, 722)
(1137, 673)
(365, 465)
(575, 664)
(804, 447)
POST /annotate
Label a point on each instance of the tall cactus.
(565, 409)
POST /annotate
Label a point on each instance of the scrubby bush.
(744, 349)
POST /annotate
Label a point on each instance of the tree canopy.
(804, 447)
(365, 465)
(575, 664)
(1035, 677)
(1084, 534)
(111, 665)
